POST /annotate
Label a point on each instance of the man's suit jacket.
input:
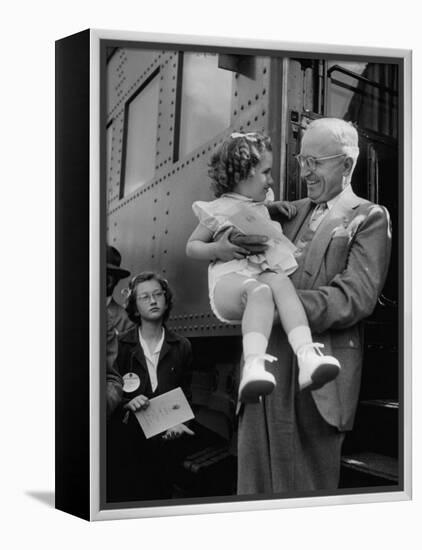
(117, 322)
(339, 281)
(283, 444)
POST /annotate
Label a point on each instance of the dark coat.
(174, 365)
(118, 318)
(137, 468)
(114, 388)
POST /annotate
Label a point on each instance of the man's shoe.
(315, 369)
(256, 381)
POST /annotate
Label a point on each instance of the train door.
(365, 94)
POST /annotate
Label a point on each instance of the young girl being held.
(247, 290)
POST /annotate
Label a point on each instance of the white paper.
(164, 412)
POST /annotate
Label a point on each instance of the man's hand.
(176, 432)
(251, 244)
(137, 403)
(284, 208)
(227, 249)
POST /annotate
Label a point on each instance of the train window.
(205, 101)
(141, 115)
(365, 93)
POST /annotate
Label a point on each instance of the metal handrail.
(347, 72)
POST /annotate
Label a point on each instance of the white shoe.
(315, 369)
(256, 381)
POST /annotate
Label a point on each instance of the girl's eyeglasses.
(156, 295)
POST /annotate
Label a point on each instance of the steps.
(207, 467)
(373, 465)
(370, 452)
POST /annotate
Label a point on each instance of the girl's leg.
(234, 297)
(238, 297)
(290, 309)
(315, 369)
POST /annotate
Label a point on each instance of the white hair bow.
(251, 136)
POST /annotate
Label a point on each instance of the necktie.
(317, 215)
(314, 221)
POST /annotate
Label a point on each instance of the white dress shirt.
(152, 358)
(321, 210)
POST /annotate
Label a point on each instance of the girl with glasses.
(152, 360)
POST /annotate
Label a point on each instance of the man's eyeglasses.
(311, 162)
(156, 295)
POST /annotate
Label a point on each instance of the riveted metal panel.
(127, 70)
(111, 155)
(151, 226)
(248, 92)
(114, 173)
(300, 98)
(295, 87)
(166, 111)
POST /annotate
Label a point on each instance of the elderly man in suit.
(291, 440)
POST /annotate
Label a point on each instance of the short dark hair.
(234, 159)
(131, 308)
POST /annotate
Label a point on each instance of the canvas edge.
(139, 512)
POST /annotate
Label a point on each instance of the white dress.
(217, 216)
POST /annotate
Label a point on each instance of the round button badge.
(131, 382)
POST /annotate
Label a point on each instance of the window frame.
(179, 96)
(135, 94)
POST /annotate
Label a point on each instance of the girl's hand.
(283, 207)
(137, 403)
(176, 431)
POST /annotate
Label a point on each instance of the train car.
(166, 113)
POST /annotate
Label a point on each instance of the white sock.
(299, 336)
(254, 343)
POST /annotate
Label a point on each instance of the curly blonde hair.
(234, 160)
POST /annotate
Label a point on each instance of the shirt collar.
(347, 191)
(145, 345)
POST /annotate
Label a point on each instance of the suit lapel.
(132, 337)
(169, 337)
(165, 348)
(140, 357)
(340, 214)
(291, 228)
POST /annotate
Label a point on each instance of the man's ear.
(348, 165)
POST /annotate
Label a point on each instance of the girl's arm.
(201, 247)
